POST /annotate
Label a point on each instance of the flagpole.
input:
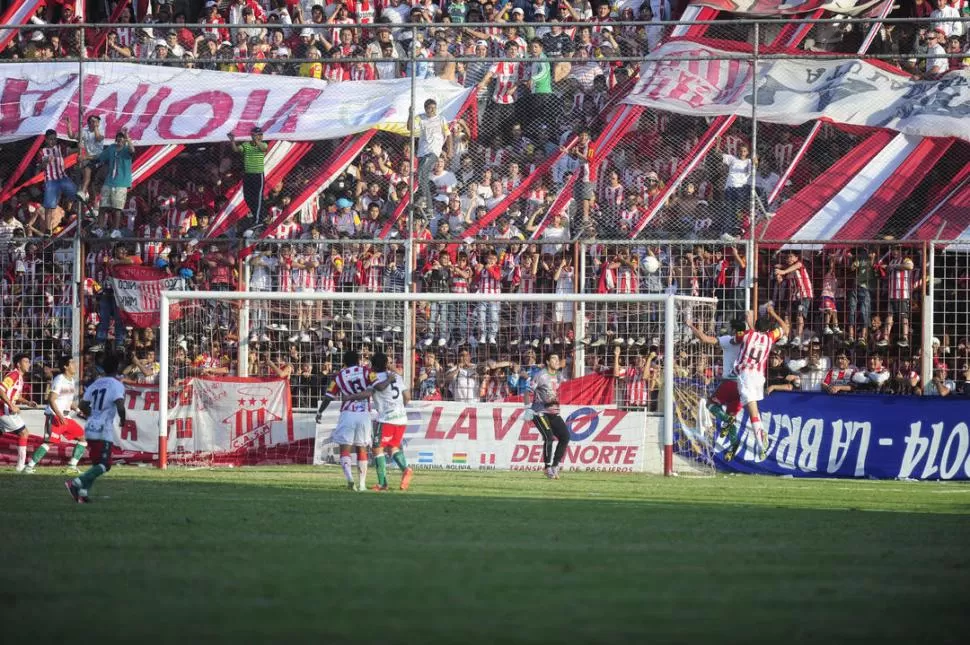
(753, 201)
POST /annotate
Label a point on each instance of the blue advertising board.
(870, 436)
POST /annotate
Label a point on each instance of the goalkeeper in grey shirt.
(542, 408)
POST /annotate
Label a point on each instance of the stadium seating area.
(335, 243)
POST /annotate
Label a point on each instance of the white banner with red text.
(138, 293)
(702, 82)
(458, 436)
(164, 105)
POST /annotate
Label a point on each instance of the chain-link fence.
(562, 144)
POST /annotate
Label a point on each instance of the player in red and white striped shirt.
(353, 425)
(899, 288)
(751, 364)
(800, 292)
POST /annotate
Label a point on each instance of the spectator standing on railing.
(117, 159)
(254, 159)
(92, 143)
(433, 136)
(56, 182)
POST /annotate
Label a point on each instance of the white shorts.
(563, 312)
(353, 429)
(751, 386)
(12, 423)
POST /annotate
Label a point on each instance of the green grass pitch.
(277, 555)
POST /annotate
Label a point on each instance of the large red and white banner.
(221, 417)
(705, 81)
(459, 436)
(789, 7)
(138, 293)
(164, 105)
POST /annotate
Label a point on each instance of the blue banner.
(872, 436)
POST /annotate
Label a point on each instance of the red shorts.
(389, 435)
(100, 452)
(70, 430)
(727, 395)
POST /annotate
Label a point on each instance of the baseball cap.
(519, 10)
(210, 4)
(343, 202)
(256, 130)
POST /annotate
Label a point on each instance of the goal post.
(634, 323)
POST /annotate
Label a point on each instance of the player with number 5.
(750, 367)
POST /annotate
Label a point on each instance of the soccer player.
(11, 398)
(751, 364)
(61, 403)
(353, 426)
(103, 403)
(390, 398)
(725, 403)
(542, 408)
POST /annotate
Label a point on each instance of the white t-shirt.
(64, 391)
(739, 171)
(937, 63)
(92, 147)
(431, 135)
(730, 352)
(102, 395)
(262, 275)
(390, 401)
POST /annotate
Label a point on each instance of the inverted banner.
(788, 7)
(175, 105)
(865, 436)
(853, 92)
(138, 292)
(456, 436)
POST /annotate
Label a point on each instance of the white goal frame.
(669, 302)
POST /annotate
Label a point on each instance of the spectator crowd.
(849, 307)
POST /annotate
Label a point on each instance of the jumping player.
(542, 408)
(751, 364)
(390, 398)
(11, 400)
(353, 426)
(61, 403)
(725, 403)
(103, 402)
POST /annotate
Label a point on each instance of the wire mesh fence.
(544, 173)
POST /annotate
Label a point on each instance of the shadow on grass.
(264, 555)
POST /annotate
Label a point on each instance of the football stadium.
(499, 321)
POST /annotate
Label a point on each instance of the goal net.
(632, 375)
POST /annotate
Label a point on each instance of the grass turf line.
(269, 554)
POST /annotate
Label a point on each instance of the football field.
(275, 555)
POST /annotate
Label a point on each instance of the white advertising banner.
(853, 92)
(474, 436)
(164, 105)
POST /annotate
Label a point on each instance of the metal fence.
(540, 169)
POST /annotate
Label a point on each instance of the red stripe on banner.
(343, 155)
(604, 144)
(6, 193)
(794, 213)
(18, 14)
(684, 168)
(865, 223)
(949, 216)
(151, 160)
